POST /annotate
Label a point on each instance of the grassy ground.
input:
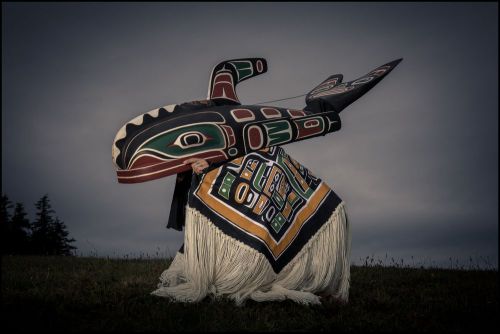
(90, 294)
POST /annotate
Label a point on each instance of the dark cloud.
(416, 161)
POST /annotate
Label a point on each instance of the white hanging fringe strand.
(218, 265)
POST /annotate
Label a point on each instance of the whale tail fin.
(332, 94)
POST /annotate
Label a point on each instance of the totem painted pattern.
(266, 200)
(155, 144)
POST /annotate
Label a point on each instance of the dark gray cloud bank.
(416, 160)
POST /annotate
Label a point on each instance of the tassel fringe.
(218, 265)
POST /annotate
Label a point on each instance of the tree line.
(47, 235)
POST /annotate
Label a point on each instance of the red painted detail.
(158, 174)
(379, 71)
(259, 66)
(223, 87)
(242, 115)
(230, 135)
(165, 168)
(311, 123)
(270, 112)
(323, 89)
(161, 173)
(335, 90)
(146, 160)
(255, 137)
(296, 113)
(308, 128)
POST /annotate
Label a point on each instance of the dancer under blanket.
(258, 224)
(262, 227)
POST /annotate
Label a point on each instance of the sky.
(416, 160)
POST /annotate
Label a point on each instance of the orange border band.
(251, 227)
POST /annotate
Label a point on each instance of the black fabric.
(213, 165)
(179, 200)
(177, 215)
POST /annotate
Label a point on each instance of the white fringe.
(174, 275)
(218, 265)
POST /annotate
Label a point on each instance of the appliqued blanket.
(263, 227)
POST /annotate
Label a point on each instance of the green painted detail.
(244, 69)
(278, 222)
(258, 176)
(293, 181)
(278, 200)
(167, 143)
(225, 187)
(278, 132)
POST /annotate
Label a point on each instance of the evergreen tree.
(61, 239)
(20, 227)
(49, 236)
(5, 206)
(40, 238)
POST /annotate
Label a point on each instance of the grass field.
(95, 294)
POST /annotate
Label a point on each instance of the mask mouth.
(147, 167)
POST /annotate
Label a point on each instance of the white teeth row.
(122, 133)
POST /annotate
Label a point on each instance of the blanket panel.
(266, 200)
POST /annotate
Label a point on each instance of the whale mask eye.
(190, 139)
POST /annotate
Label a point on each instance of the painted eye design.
(190, 139)
(362, 80)
(323, 88)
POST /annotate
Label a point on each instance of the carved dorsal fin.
(227, 74)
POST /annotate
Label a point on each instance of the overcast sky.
(416, 160)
